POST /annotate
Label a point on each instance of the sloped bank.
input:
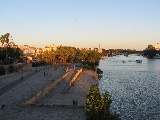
(36, 97)
(73, 80)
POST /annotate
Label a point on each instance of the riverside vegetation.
(97, 105)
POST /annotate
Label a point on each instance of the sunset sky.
(117, 24)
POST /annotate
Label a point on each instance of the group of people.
(95, 78)
(75, 102)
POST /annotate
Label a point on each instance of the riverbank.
(55, 105)
(76, 92)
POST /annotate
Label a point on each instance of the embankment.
(36, 97)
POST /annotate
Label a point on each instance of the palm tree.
(61, 53)
(2, 39)
(6, 37)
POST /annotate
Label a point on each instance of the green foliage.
(97, 105)
(10, 68)
(87, 67)
(4, 38)
(93, 103)
(36, 64)
(2, 70)
(150, 52)
(12, 54)
(6, 52)
(65, 54)
(7, 61)
(99, 71)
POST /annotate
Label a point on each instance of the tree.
(150, 52)
(11, 68)
(99, 71)
(2, 70)
(65, 54)
(61, 53)
(5, 39)
(97, 105)
(93, 103)
(2, 39)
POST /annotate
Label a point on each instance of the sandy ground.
(56, 105)
(77, 92)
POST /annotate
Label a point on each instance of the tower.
(99, 49)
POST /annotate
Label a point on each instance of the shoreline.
(77, 92)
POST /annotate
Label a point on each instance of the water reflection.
(134, 87)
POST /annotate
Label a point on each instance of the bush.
(8, 61)
(87, 67)
(2, 70)
(99, 71)
(10, 68)
(97, 105)
(36, 64)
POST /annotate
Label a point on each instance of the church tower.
(99, 49)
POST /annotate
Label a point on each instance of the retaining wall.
(33, 99)
(75, 76)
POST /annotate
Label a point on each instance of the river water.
(134, 87)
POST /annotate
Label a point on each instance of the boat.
(139, 61)
(123, 61)
(126, 54)
(157, 56)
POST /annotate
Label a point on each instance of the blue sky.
(126, 24)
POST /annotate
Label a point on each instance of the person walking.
(73, 102)
(21, 77)
(76, 102)
(3, 106)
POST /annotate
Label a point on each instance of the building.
(39, 51)
(50, 47)
(157, 46)
(99, 49)
(31, 50)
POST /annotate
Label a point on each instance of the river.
(134, 87)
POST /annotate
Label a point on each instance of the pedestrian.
(3, 106)
(73, 102)
(21, 77)
(76, 102)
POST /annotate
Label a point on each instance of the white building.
(51, 47)
(157, 46)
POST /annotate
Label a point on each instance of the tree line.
(150, 52)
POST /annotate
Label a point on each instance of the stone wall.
(33, 99)
(75, 76)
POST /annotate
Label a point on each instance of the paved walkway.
(46, 110)
(56, 96)
(29, 86)
(15, 82)
(43, 113)
(77, 92)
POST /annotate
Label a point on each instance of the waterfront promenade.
(56, 105)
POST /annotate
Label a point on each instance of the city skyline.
(114, 24)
